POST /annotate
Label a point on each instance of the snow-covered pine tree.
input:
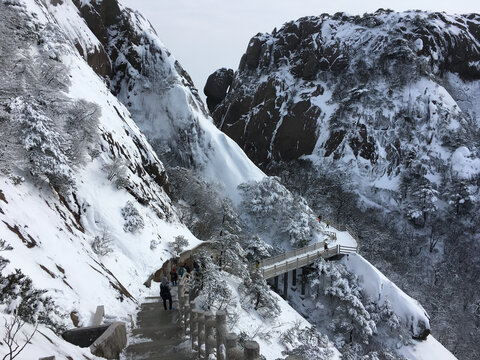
(289, 218)
(230, 254)
(351, 319)
(306, 343)
(178, 245)
(42, 143)
(256, 249)
(257, 294)
(420, 194)
(133, 220)
(215, 292)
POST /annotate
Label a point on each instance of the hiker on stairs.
(174, 277)
(165, 293)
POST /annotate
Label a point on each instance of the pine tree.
(42, 144)
(258, 295)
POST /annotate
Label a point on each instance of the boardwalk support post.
(285, 285)
(233, 353)
(275, 283)
(201, 335)
(221, 318)
(186, 314)
(294, 276)
(192, 323)
(210, 342)
(251, 351)
(304, 280)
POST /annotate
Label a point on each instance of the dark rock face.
(98, 18)
(216, 87)
(276, 118)
(376, 105)
(422, 332)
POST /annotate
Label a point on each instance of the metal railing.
(341, 227)
(282, 263)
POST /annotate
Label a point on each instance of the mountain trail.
(165, 336)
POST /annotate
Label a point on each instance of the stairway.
(157, 335)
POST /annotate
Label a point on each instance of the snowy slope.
(374, 120)
(410, 311)
(158, 92)
(52, 232)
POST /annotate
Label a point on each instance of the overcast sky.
(205, 35)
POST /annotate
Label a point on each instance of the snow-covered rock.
(85, 211)
(162, 99)
(374, 120)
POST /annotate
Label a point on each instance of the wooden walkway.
(158, 334)
(298, 258)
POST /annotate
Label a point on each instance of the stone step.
(156, 332)
(161, 326)
(168, 350)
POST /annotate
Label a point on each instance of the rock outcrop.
(317, 82)
(217, 86)
(379, 106)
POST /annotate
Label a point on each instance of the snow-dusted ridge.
(53, 232)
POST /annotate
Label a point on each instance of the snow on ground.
(267, 332)
(343, 238)
(378, 287)
(43, 344)
(429, 349)
(227, 163)
(464, 165)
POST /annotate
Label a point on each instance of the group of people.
(165, 285)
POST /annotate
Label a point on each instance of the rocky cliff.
(160, 94)
(374, 112)
(317, 83)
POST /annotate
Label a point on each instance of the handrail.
(296, 258)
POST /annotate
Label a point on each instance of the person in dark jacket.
(174, 277)
(165, 293)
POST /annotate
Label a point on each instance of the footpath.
(158, 334)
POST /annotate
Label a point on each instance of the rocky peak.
(333, 83)
(217, 86)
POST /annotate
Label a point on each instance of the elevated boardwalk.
(296, 259)
(342, 240)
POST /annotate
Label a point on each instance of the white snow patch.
(429, 349)
(463, 164)
(419, 44)
(381, 289)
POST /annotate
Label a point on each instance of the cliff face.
(160, 95)
(340, 85)
(374, 119)
(83, 194)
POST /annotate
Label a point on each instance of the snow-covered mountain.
(374, 120)
(92, 107)
(159, 93)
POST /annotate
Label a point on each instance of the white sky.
(205, 35)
